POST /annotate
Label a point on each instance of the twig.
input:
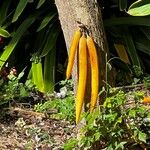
(129, 86)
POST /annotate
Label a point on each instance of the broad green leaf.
(4, 33)
(122, 4)
(4, 10)
(130, 21)
(37, 75)
(140, 8)
(15, 39)
(40, 3)
(21, 6)
(46, 20)
(143, 10)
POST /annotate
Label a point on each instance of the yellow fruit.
(94, 72)
(72, 53)
(82, 77)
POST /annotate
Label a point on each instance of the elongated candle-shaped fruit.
(72, 52)
(82, 77)
(94, 72)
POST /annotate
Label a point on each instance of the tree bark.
(88, 13)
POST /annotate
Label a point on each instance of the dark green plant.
(147, 82)
(122, 28)
(30, 28)
(117, 124)
(13, 89)
(58, 108)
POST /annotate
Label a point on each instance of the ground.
(23, 129)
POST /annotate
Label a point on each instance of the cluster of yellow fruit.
(85, 46)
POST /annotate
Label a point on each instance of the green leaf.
(110, 147)
(23, 92)
(15, 39)
(138, 3)
(118, 121)
(97, 136)
(37, 75)
(111, 117)
(4, 33)
(70, 145)
(132, 113)
(120, 146)
(21, 74)
(140, 8)
(21, 6)
(46, 20)
(142, 136)
(140, 11)
(40, 3)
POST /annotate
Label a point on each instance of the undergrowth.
(117, 124)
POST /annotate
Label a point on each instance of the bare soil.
(26, 130)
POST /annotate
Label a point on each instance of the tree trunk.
(88, 13)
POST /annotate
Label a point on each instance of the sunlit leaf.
(15, 39)
(37, 73)
(140, 11)
(142, 136)
(140, 8)
(4, 33)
